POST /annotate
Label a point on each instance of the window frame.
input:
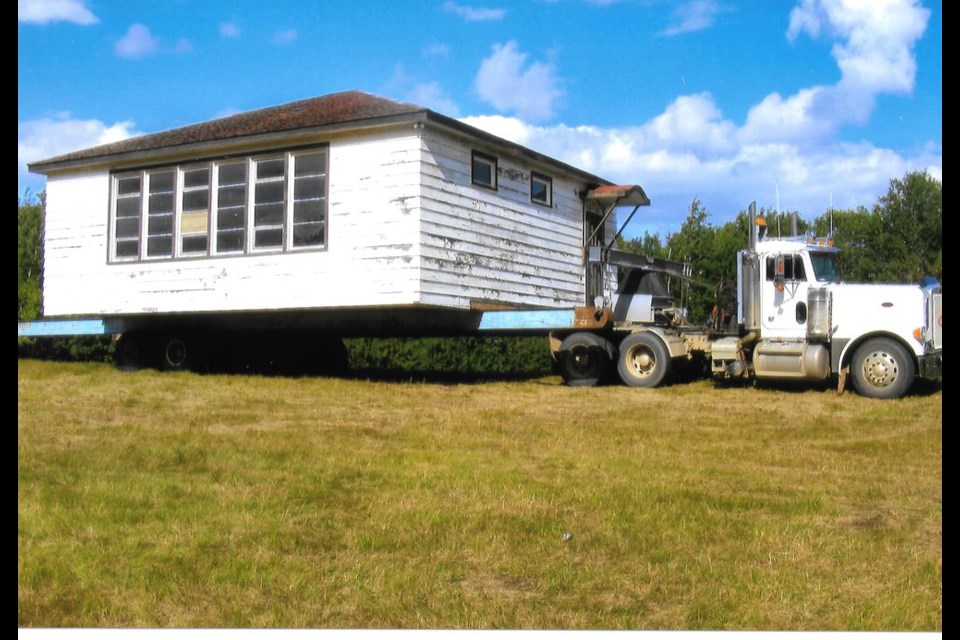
(492, 164)
(547, 181)
(314, 214)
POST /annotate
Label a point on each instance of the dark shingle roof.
(332, 109)
(348, 109)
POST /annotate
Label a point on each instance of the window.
(268, 203)
(231, 207)
(483, 170)
(195, 211)
(541, 189)
(236, 206)
(160, 214)
(126, 224)
(792, 267)
(309, 199)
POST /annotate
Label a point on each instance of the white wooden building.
(346, 201)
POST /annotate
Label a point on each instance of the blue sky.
(725, 101)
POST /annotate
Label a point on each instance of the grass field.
(178, 500)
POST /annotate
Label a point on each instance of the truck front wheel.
(644, 360)
(584, 359)
(882, 368)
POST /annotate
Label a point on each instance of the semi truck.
(789, 316)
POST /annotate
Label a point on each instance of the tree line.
(898, 239)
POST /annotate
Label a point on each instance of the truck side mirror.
(779, 271)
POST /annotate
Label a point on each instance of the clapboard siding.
(371, 256)
(496, 246)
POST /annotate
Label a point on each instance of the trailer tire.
(176, 353)
(129, 354)
(882, 368)
(644, 360)
(584, 359)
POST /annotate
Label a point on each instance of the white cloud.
(47, 11)
(507, 82)
(873, 47)
(285, 37)
(45, 138)
(229, 30)
(693, 15)
(137, 42)
(665, 156)
(473, 14)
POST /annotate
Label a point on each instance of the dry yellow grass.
(178, 500)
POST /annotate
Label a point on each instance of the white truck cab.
(801, 320)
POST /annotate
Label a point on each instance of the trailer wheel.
(882, 368)
(644, 360)
(129, 352)
(175, 354)
(584, 359)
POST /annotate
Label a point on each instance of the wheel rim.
(643, 362)
(175, 353)
(582, 360)
(880, 369)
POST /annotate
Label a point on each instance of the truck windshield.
(825, 266)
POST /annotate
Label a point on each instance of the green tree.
(29, 259)
(899, 240)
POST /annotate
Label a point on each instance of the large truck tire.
(644, 360)
(882, 368)
(584, 359)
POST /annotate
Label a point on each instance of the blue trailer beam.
(67, 328)
(535, 320)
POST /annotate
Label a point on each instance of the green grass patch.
(178, 500)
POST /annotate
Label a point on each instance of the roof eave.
(219, 146)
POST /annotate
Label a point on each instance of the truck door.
(784, 296)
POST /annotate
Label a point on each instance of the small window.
(792, 268)
(484, 170)
(541, 189)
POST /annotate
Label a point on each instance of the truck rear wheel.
(644, 360)
(584, 359)
(882, 368)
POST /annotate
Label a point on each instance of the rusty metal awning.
(618, 195)
(611, 196)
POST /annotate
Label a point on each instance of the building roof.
(346, 110)
(335, 108)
